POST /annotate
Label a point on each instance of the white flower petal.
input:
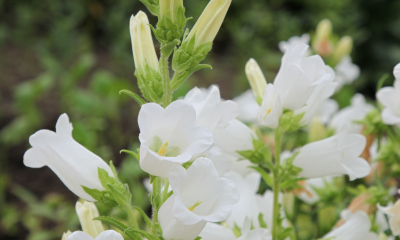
(109, 235)
(271, 108)
(213, 231)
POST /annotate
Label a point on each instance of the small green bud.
(256, 79)
(343, 48)
(324, 29)
(321, 43)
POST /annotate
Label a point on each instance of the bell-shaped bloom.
(394, 216)
(221, 160)
(336, 155)
(234, 136)
(299, 76)
(106, 235)
(271, 108)
(389, 97)
(346, 72)
(283, 45)
(209, 22)
(356, 227)
(86, 212)
(247, 205)
(169, 136)
(211, 110)
(73, 163)
(343, 120)
(248, 107)
(256, 79)
(199, 196)
(326, 110)
(142, 42)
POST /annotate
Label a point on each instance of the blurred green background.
(74, 56)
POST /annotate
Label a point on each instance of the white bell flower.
(73, 163)
(284, 45)
(338, 154)
(389, 97)
(356, 227)
(343, 120)
(214, 231)
(221, 160)
(346, 72)
(169, 136)
(86, 212)
(326, 110)
(211, 110)
(199, 196)
(393, 211)
(248, 107)
(299, 76)
(234, 136)
(271, 108)
(247, 205)
(106, 235)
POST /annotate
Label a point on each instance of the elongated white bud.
(86, 212)
(256, 79)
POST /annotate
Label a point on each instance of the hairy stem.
(156, 192)
(277, 185)
(165, 191)
(164, 70)
(132, 219)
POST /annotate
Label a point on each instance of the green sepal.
(167, 30)
(198, 238)
(167, 49)
(265, 175)
(147, 235)
(261, 221)
(289, 122)
(114, 170)
(152, 5)
(115, 223)
(120, 193)
(260, 154)
(101, 196)
(145, 217)
(150, 83)
(156, 200)
(133, 95)
(133, 154)
(104, 178)
(96, 194)
(373, 123)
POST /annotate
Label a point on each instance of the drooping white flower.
(169, 136)
(248, 107)
(284, 45)
(343, 121)
(86, 212)
(247, 205)
(199, 196)
(271, 108)
(299, 76)
(389, 97)
(234, 136)
(393, 211)
(73, 163)
(211, 111)
(356, 227)
(338, 154)
(106, 235)
(346, 72)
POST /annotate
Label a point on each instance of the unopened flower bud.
(321, 44)
(86, 211)
(343, 48)
(142, 42)
(256, 79)
(324, 29)
(170, 8)
(66, 235)
(210, 21)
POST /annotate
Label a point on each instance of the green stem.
(277, 185)
(164, 71)
(132, 219)
(165, 191)
(156, 207)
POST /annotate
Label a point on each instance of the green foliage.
(168, 30)
(290, 122)
(150, 83)
(260, 154)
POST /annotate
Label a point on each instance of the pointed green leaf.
(133, 95)
(96, 194)
(147, 235)
(267, 178)
(104, 178)
(133, 154)
(145, 217)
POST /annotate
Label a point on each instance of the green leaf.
(96, 194)
(104, 178)
(267, 178)
(133, 95)
(261, 221)
(147, 235)
(117, 224)
(114, 171)
(145, 217)
(133, 154)
(198, 238)
(121, 197)
(169, 47)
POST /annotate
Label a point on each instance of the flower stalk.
(164, 70)
(277, 185)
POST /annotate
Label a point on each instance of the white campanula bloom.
(271, 108)
(211, 110)
(326, 110)
(221, 160)
(247, 205)
(389, 97)
(346, 72)
(299, 76)
(73, 163)
(356, 227)
(199, 196)
(343, 120)
(169, 136)
(284, 45)
(106, 235)
(248, 107)
(86, 212)
(338, 154)
(393, 211)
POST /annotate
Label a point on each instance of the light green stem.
(156, 192)
(164, 70)
(277, 185)
(132, 219)
(165, 191)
